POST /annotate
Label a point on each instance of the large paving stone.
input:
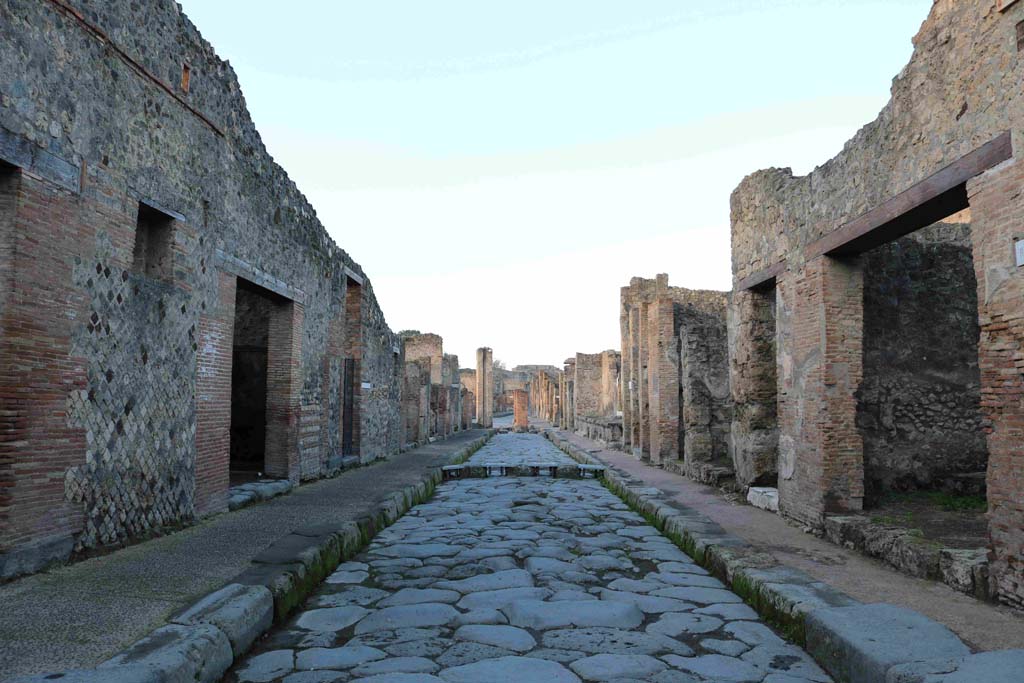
(717, 668)
(860, 644)
(609, 667)
(196, 653)
(510, 670)
(407, 616)
(507, 637)
(337, 657)
(596, 640)
(547, 615)
(512, 578)
(331, 618)
(501, 598)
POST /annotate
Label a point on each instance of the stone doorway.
(260, 359)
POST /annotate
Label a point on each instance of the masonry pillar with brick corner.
(663, 380)
(753, 373)
(284, 351)
(40, 224)
(352, 377)
(997, 203)
(821, 453)
(521, 402)
(485, 387)
(213, 399)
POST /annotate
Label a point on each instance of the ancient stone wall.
(117, 369)
(611, 368)
(946, 139)
(587, 381)
(919, 409)
(706, 404)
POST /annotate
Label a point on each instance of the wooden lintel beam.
(934, 198)
(761, 277)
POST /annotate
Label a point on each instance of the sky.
(500, 170)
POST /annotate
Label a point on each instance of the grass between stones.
(754, 592)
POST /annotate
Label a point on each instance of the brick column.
(213, 399)
(821, 454)
(663, 381)
(484, 387)
(520, 406)
(642, 445)
(997, 214)
(284, 350)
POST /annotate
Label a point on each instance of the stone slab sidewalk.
(981, 625)
(76, 616)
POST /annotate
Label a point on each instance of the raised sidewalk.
(76, 616)
(983, 626)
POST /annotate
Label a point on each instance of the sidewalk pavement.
(983, 626)
(81, 614)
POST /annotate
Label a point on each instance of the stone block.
(766, 498)
(182, 654)
(859, 644)
(243, 613)
(1003, 666)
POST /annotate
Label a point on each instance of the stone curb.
(203, 641)
(853, 642)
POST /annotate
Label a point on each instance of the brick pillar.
(821, 453)
(352, 381)
(284, 350)
(520, 405)
(637, 389)
(625, 347)
(997, 217)
(485, 387)
(753, 379)
(642, 445)
(213, 399)
(663, 381)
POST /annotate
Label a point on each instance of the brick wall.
(116, 381)
(997, 216)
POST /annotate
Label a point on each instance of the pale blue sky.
(527, 158)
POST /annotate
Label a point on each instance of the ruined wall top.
(642, 290)
(961, 89)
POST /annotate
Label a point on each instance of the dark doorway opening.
(254, 307)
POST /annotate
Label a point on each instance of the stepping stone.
(510, 670)
(507, 637)
(547, 615)
(610, 667)
(407, 616)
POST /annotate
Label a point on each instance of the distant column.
(485, 387)
(520, 405)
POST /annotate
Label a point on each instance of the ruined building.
(676, 403)
(173, 316)
(877, 322)
(433, 394)
(594, 394)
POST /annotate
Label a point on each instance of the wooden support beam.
(762, 277)
(929, 201)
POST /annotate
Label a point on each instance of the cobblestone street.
(525, 580)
